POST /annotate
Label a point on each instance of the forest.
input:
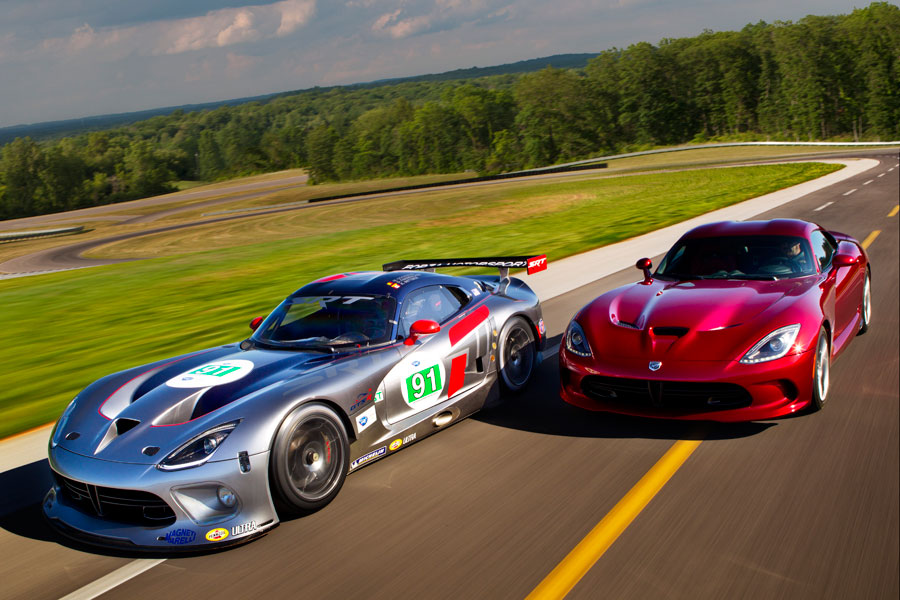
(819, 78)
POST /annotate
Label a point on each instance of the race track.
(804, 507)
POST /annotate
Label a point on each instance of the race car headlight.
(775, 345)
(198, 450)
(576, 342)
(56, 436)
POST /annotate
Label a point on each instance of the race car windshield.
(750, 257)
(328, 322)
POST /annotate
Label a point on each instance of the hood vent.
(181, 412)
(116, 428)
(627, 325)
(669, 331)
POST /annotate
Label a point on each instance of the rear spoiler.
(532, 264)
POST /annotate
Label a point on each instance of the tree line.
(822, 77)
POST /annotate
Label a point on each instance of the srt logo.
(538, 263)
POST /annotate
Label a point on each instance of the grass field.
(64, 330)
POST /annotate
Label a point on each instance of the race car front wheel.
(310, 459)
(517, 354)
(821, 371)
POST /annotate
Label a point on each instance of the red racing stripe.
(464, 327)
(457, 374)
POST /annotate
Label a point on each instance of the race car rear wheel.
(517, 355)
(821, 371)
(310, 459)
(865, 308)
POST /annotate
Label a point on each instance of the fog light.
(210, 444)
(226, 496)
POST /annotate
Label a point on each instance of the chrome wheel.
(516, 354)
(821, 371)
(866, 307)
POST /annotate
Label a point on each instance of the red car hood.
(688, 320)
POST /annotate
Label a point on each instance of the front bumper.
(90, 499)
(761, 391)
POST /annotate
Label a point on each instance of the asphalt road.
(804, 507)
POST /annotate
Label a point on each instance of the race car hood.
(164, 405)
(687, 320)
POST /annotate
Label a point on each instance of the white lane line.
(850, 192)
(114, 579)
(891, 169)
(826, 205)
(881, 174)
(868, 182)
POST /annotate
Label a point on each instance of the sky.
(62, 59)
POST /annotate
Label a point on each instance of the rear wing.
(532, 264)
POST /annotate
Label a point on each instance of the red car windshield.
(734, 257)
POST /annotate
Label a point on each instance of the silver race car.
(209, 448)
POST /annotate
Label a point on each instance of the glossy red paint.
(331, 278)
(536, 264)
(457, 374)
(699, 329)
(419, 328)
(468, 324)
(255, 323)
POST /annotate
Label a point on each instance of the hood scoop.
(180, 412)
(115, 429)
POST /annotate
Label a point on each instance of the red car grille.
(123, 506)
(688, 396)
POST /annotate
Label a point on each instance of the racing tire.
(865, 307)
(517, 355)
(309, 461)
(821, 371)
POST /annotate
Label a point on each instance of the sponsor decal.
(210, 374)
(416, 363)
(541, 329)
(243, 528)
(361, 400)
(536, 264)
(368, 457)
(216, 535)
(396, 444)
(394, 285)
(425, 384)
(379, 396)
(180, 536)
(409, 438)
(365, 419)
(400, 281)
(654, 365)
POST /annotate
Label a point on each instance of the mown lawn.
(64, 330)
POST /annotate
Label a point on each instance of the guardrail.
(27, 235)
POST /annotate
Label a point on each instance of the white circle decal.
(214, 373)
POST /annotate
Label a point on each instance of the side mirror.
(419, 328)
(645, 265)
(844, 260)
(255, 323)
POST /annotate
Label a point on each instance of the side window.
(434, 302)
(822, 248)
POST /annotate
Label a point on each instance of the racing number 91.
(423, 384)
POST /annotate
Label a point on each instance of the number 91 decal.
(424, 384)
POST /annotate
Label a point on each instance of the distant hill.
(68, 127)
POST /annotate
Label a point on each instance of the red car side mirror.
(421, 327)
(844, 260)
(255, 323)
(644, 265)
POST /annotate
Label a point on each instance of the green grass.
(64, 330)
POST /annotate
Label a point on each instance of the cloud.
(215, 29)
(415, 19)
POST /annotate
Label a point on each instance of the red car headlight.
(775, 345)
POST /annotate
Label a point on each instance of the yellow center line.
(870, 238)
(579, 561)
(894, 212)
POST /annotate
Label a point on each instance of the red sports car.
(740, 321)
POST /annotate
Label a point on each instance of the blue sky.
(63, 59)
